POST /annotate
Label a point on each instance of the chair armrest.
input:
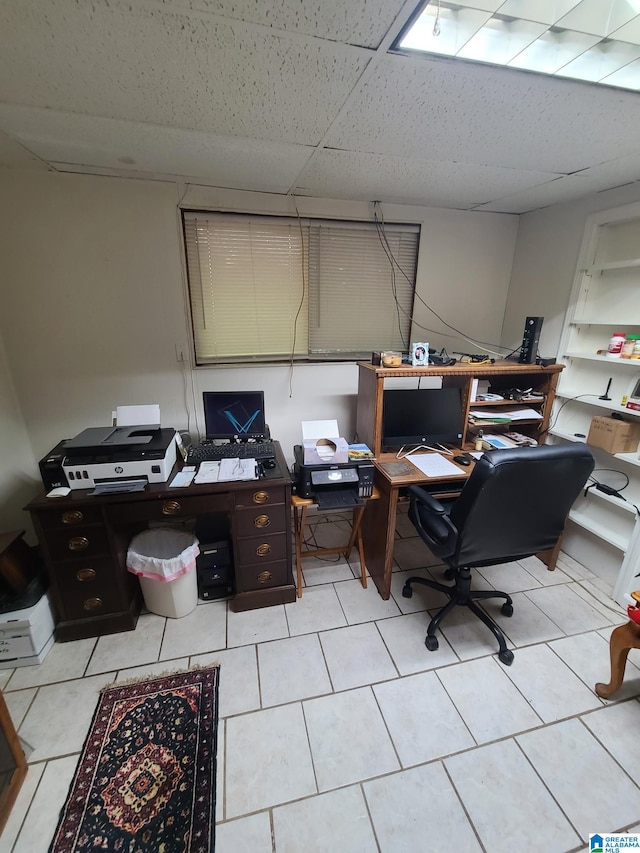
(427, 499)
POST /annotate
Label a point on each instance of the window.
(274, 288)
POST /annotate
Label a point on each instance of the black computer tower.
(214, 564)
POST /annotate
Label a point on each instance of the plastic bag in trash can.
(162, 554)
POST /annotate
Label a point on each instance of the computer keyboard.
(215, 452)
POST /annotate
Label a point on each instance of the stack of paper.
(504, 416)
(227, 470)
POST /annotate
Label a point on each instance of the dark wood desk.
(84, 541)
(379, 522)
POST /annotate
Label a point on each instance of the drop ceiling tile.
(358, 22)
(142, 63)
(67, 139)
(598, 17)
(474, 113)
(364, 177)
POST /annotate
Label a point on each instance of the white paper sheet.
(434, 465)
(138, 415)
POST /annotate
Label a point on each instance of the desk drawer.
(86, 541)
(260, 549)
(260, 495)
(167, 508)
(70, 516)
(87, 588)
(274, 573)
(269, 518)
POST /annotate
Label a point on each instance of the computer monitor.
(234, 414)
(416, 416)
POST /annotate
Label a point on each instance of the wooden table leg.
(299, 518)
(357, 534)
(623, 638)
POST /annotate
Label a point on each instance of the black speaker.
(530, 340)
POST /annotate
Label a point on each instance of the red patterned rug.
(145, 781)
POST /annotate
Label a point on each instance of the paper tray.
(338, 499)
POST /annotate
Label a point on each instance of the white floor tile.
(238, 689)
(422, 598)
(591, 788)
(21, 807)
(245, 835)
(616, 727)
(356, 656)
(414, 554)
(202, 630)
(549, 686)
(413, 809)
(42, 817)
(220, 775)
(541, 573)
(507, 802)
(422, 721)
(326, 823)
(18, 704)
(318, 610)
(468, 635)
(316, 571)
(588, 656)
(292, 669)
(64, 661)
(364, 605)
(489, 703)
(508, 577)
(129, 648)
(568, 610)
(267, 760)
(153, 670)
(404, 638)
(527, 625)
(349, 741)
(256, 626)
(59, 718)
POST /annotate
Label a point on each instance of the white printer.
(104, 454)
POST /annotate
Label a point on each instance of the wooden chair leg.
(623, 638)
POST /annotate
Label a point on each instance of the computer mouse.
(463, 459)
(269, 463)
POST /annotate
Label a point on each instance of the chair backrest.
(515, 503)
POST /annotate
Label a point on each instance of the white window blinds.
(271, 288)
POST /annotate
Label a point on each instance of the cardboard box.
(613, 435)
(322, 445)
(26, 635)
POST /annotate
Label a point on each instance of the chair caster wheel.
(506, 657)
(407, 592)
(449, 574)
(431, 643)
(507, 609)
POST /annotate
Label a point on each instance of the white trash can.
(164, 560)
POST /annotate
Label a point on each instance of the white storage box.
(26, 635)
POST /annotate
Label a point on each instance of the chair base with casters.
(461, 594)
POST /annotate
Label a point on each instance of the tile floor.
(339, 731)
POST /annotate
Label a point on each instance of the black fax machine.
(333, 486)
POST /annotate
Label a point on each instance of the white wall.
(93, 302)
(545, 261)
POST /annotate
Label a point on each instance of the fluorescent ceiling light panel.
(593, 40)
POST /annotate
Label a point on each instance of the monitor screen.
(421, 416)
(234, 414)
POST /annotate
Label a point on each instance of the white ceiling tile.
(598, 17)
(64, 138)
(542, 11)
(448, 109)
(144, 64)
(358, 22)
(13, 155)
(365, 177)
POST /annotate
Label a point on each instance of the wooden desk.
(379, 523)
(300, 507)
(84, 541)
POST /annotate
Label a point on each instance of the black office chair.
(513, 505)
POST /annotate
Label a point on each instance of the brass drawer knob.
(84, 575)
(261, 521)
(92, 604)
(260, 497)
(264, 577)
(78, 543)
(170, 507)
(72, 516)
(263, 550)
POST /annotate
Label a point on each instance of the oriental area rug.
(145, 781)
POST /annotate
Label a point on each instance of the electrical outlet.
(181, 352)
